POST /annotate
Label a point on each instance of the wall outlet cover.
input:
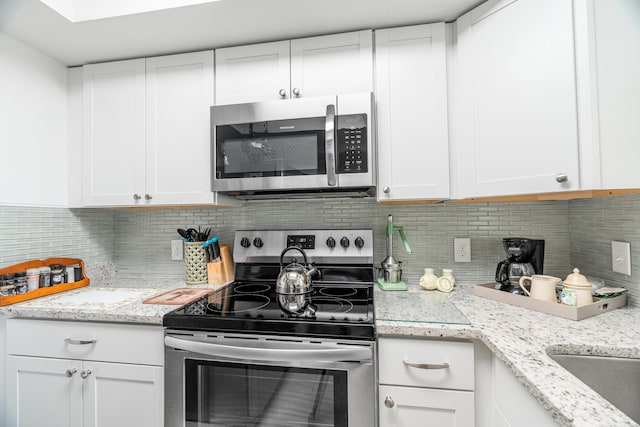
(177, 250)
(462, 249)
(621, 257)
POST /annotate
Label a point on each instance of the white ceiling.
(208, 25)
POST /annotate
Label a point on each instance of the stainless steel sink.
(616, 379)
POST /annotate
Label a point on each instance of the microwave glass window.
(232, 394)
(271, 156)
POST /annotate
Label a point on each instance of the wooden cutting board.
(179, 296)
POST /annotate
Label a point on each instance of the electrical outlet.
(621, 257)
(462, 250)
(177, 250)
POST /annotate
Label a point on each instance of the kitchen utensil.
(294, 278)
(525, 257)
(183, 233)
(391, 267)
(542, 287)
(577, 285)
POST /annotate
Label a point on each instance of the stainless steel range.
(257, 353)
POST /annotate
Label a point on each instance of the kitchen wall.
(577, 233)
(143, 236)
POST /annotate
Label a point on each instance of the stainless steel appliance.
(246, 355)
(305, 147)
(525, 257)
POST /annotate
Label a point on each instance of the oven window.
(270, 149)
(238, 395)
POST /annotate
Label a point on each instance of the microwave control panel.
(352, 144)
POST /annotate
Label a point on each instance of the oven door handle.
(355, 354)
(330, 144)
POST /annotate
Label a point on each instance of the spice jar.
(20, 282)
(33, 279)
(45, 277)
(7, 290)
(7, 279)
(57, 274)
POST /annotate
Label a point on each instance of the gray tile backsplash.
(577, 233)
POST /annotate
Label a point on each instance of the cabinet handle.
(388, 402)
(136, 197)
(79, 342)
(147, 197)
(296, 91)
(70, 372)
(562, 177)
(426, 365)
(85, 374)
(282, 93)
(386, 190)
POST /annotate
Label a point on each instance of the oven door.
(274, 145)
(268, 382)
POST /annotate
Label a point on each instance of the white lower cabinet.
(84, 374)
(426, 382)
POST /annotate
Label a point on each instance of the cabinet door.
(411, 91)
(411, 407)
(516, 99)
(252, 73)
(117, 395)
(114, 133)
(43, 392)
(332, 65)
(178, 161)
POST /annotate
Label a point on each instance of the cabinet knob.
(147, 197)
(386, 190)
(296, 91)
(562, 177)
(85, 374)
(136, 197)
(282, 93)
(70, 372)
(388, 402)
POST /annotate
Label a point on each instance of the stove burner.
(239, 303)
(251, 288)
(337, 292)
(333, 305)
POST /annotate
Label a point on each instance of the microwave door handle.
(330, 144)
(262, 354)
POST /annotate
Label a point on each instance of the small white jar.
(429, 280)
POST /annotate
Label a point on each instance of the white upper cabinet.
(514, 105)
(411, 102)
(146, 137)
(608, 66)
(324, 65)
(178, 159)
(113, 129)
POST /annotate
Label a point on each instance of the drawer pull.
(70, 372)
(426, 365)
(388, 402)
(79, 342)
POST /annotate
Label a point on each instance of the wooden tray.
(488, 290)
(179, 296)
(41, 292)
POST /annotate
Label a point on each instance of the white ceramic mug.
(542, 287)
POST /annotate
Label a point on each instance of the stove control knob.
(331, 242)
(245, 242)
(359, 242)
(258, 243)
(344, 242)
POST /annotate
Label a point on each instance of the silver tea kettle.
(295, 278)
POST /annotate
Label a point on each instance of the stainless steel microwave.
(297, 148)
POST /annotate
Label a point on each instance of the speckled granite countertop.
(520, 338)
(99, 304)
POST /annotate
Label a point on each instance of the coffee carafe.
(525, 257)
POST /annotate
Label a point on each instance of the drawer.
(103, 342)
(396, 355)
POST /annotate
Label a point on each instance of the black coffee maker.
(524, 258)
